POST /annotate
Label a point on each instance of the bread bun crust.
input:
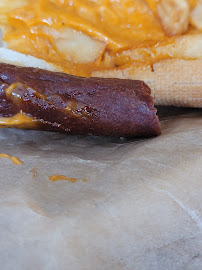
(173, 82)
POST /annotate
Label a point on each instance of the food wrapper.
(134, 204)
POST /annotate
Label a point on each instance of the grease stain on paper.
(15, 160)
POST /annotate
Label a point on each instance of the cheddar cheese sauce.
(118, 23)
(40, 27)
(19, 120)
(55, 178)
(15, 160)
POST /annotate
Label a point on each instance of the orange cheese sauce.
(55, 178)
(15, 160)
(19, 120)
(120, 24)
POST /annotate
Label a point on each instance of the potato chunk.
(174, 16)
(196, 16)
(75, 46)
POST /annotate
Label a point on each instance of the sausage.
(78, 105)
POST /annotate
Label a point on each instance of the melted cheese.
(119, 23)
(15, 160)
(55, 178)
(19, 120)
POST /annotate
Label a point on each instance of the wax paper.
(136, 204)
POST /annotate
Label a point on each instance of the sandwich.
(128, 41)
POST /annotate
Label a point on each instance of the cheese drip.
(15, 160)
(55, 178)
(19, 120)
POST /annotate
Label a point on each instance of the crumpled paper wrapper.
(141, 207)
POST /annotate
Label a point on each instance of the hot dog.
(78, 105)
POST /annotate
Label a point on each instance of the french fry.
(182, 47)
(174, 16)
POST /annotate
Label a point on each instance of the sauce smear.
(15, 160)
(55, 178)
